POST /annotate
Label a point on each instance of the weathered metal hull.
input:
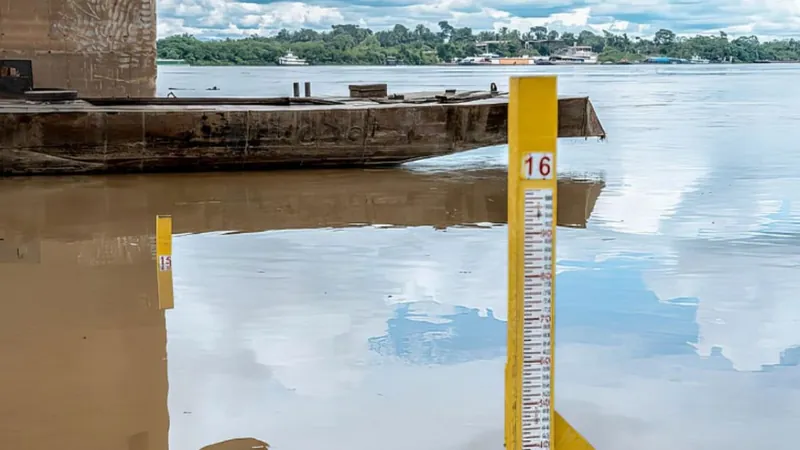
(80, 137)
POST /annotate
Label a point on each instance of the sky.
(233, 18)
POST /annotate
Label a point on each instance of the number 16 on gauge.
(537, 166)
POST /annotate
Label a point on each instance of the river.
(363, 309)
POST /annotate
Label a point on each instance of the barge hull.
(84, 138)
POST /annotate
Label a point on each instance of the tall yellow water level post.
(164, 262)
(531, 421)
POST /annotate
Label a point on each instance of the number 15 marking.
(537, 166)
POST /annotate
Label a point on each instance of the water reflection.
(256, 202)
(315, 349)
(747, 316)
(420, 333)
(295, 327)
(83, 345)
(628, 308)
(271, 328)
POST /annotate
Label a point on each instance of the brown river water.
(361, 309)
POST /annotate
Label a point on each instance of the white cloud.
(221, 18)
(168, 26)
(575, 18)
(224, 18)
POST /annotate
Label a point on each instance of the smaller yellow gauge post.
(164, 262)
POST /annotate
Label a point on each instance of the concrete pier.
(99, 48)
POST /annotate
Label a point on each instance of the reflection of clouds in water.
(451, 267)
(728, 209)
(650, 162)
(294, 311)
(626, 364)
(643, 201)
(612, 296)
(628, 377)
(307, 301)
(424, 334)
(747, 298)
(625, 402)
(271, 333)
(638, 200)
(745, 289)
(746, 285)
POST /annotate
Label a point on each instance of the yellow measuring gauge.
(531, 420)
(164, 262)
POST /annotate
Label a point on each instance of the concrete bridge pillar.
(100, 48)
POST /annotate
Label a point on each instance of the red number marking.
(544, 166)
(529, 165)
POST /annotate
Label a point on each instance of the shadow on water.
(270, 329)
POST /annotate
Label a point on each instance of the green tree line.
(351, 44)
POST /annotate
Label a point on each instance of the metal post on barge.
(531, 421)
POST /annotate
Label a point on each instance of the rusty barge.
(119, 135)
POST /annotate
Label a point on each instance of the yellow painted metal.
(565, 437)
(532, 133)
(164, 262)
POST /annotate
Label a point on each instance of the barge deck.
(98, 135)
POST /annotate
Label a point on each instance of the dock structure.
(99, 48)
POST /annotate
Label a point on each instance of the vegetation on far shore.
(351, 45)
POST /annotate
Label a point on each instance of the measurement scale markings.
(536, 318)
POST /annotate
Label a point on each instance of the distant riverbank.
(348, 45)
(604, 63)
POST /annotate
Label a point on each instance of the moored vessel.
(482, 60)
(290, 59)
(577, 54)
(493, 59)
